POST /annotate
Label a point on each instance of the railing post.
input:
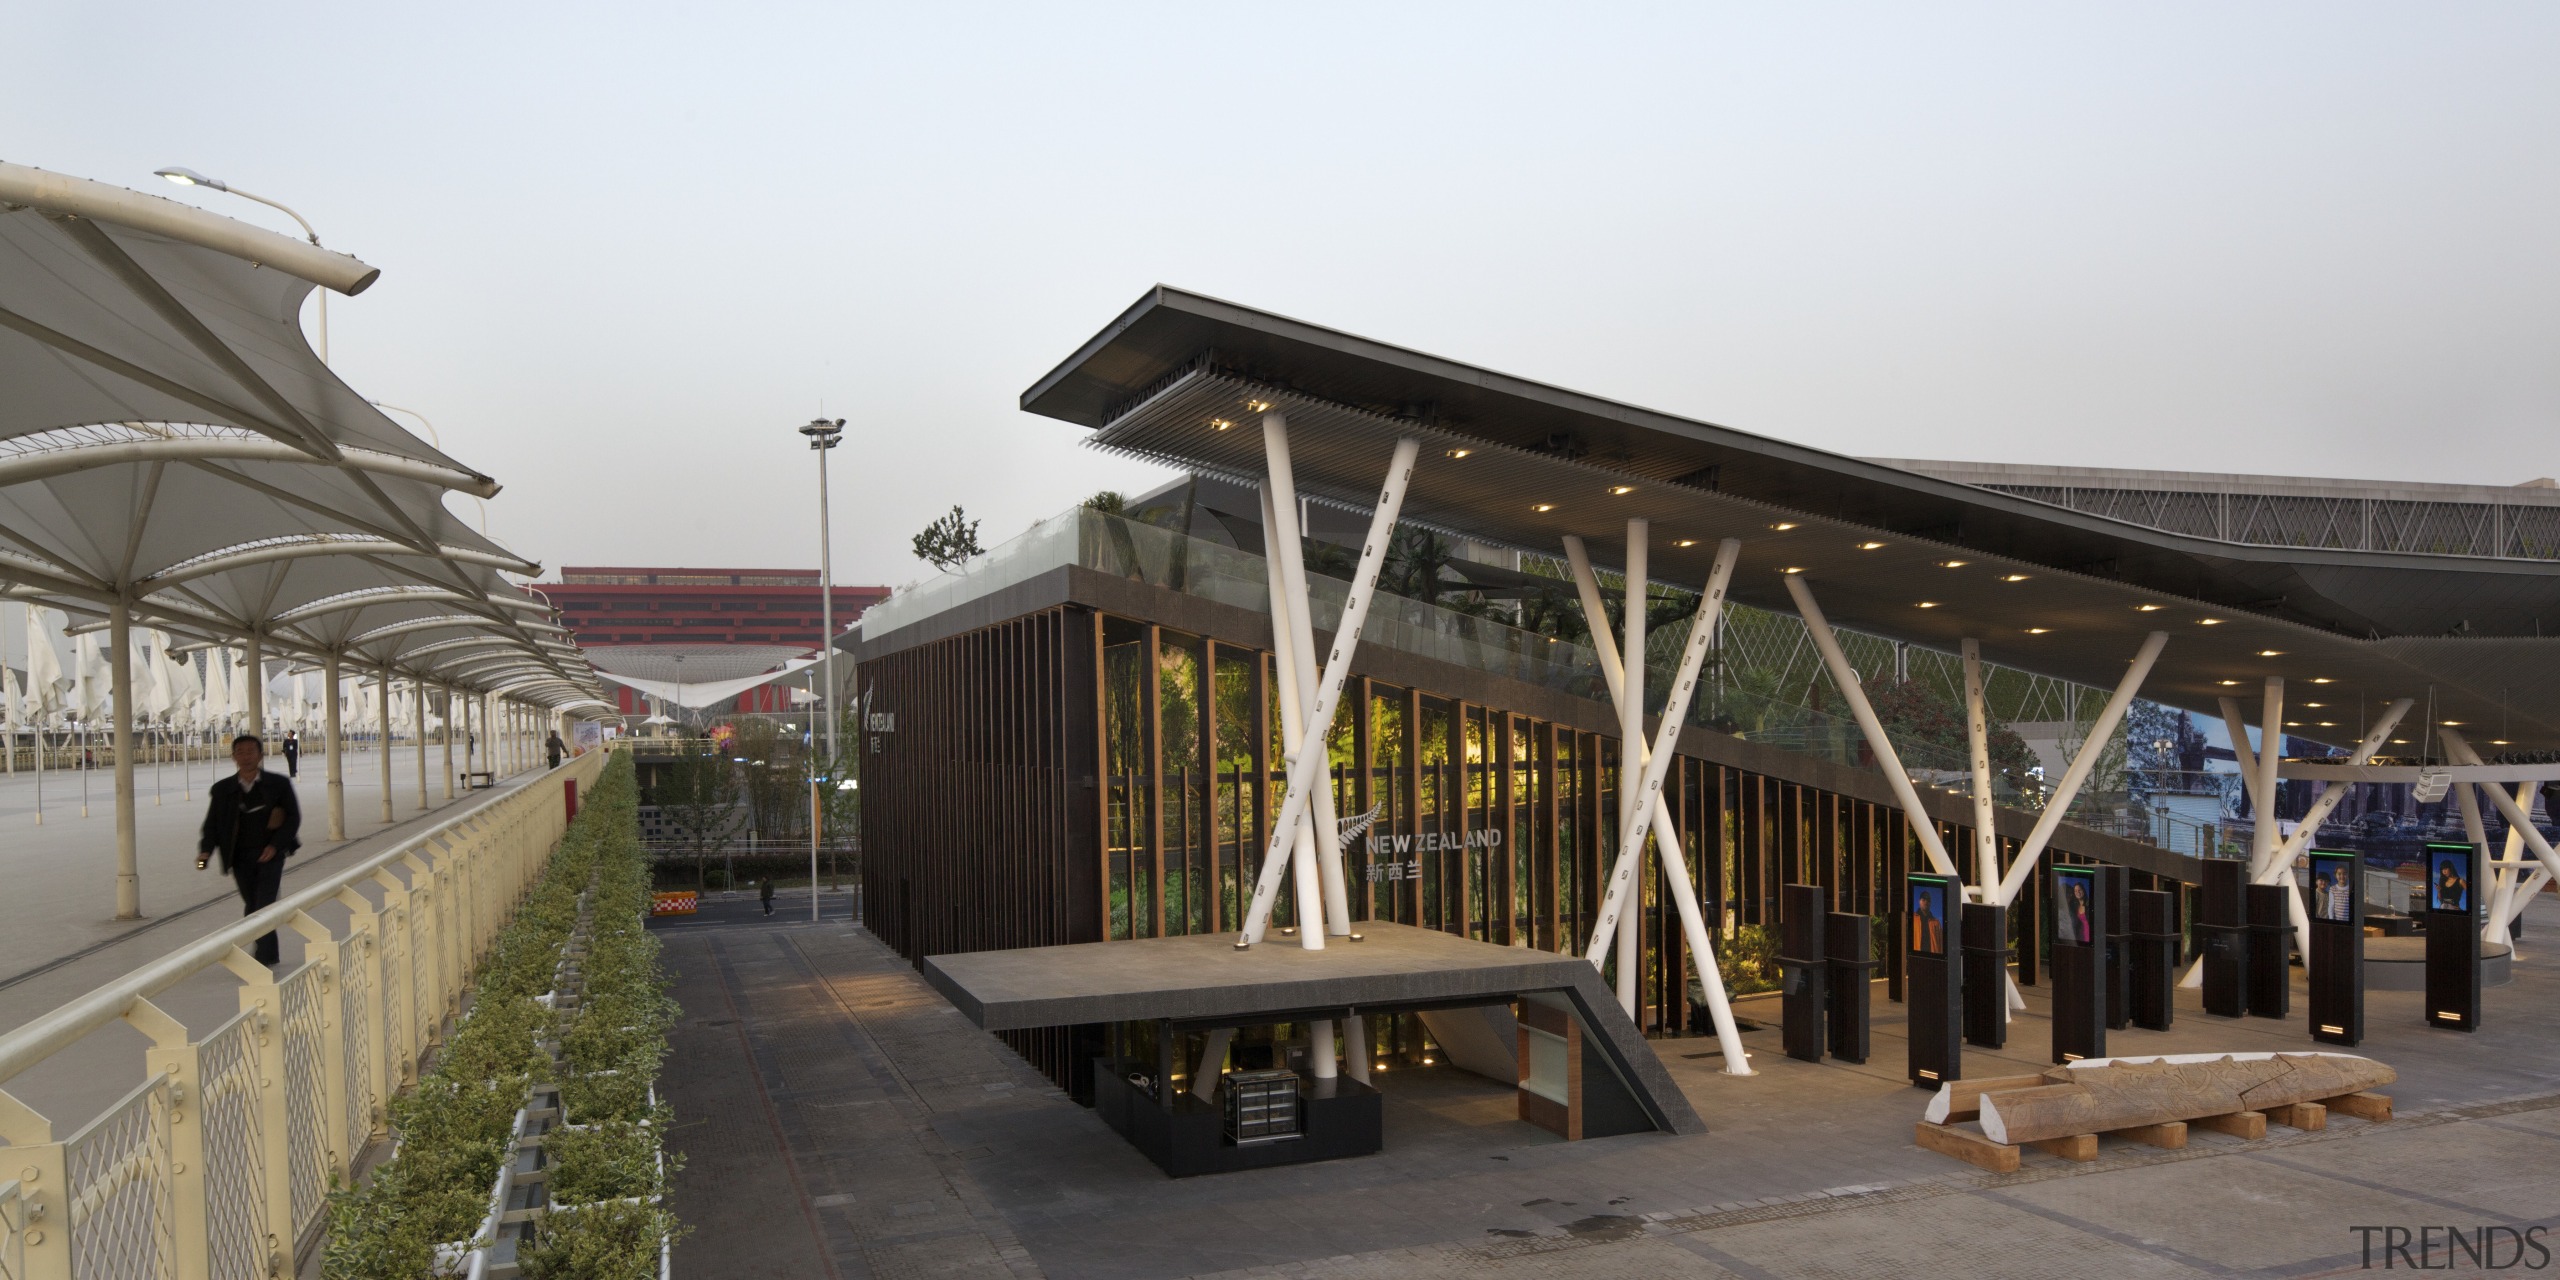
(380, 1077)
(426, 953)
(174, 1054)
(263, 1000)
(36, 1161)
(399, 973)
(318, 941)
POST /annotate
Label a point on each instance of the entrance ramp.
(1204, 981)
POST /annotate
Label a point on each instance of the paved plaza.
(840, 1119)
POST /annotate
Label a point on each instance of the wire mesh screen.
(118, 1169)
(355, 1028)
(235, 1162)
(305, 1095)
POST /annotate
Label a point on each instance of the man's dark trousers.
(259, 883)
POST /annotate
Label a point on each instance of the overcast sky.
(627, 248)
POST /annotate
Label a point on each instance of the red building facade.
(648, 606)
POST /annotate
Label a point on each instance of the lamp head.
(822, 432)
(186, 177)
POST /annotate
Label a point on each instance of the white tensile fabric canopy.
(170, 440)
(179, 470)
(705, 693)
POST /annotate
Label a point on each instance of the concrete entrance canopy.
(1204, 981)
(1178, 377)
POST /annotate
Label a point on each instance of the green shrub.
(615, 1240)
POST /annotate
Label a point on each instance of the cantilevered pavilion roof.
(1908, 556)
(170, 444)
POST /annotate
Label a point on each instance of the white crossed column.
(1642, 770)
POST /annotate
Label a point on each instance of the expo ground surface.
(840, 1119)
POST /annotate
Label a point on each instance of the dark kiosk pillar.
(1800, 969)
(2222, 931)
(2117, 882)
(2151, 951)
(2453, 936)
(2337, 947)
(1986, 970)
(1848, 942)
(2270, 949)
(1933, 974)
(2079, 917)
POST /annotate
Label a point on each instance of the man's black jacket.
(240, 822)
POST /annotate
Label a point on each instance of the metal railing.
(219, 1163)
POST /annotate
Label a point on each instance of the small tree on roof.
(949, 542)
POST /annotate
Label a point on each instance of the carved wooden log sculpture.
(2100, 1096)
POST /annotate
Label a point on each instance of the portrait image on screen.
(2449, 879)
(2333, 890)
(2074, 891)
(1928, 935)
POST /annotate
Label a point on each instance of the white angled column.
(1632, 812)
(2083, 761)
(1334, 908)
(1977, 741)
(1666, 837)
(1924, 825)
(1293, 710)
(1306, 766)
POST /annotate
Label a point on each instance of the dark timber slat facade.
(1080, 757)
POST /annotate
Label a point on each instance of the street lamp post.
(823, 435)
(187, 177)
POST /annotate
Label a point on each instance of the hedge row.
(456, 1129)
(607, 1181)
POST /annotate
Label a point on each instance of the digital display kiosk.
(2335, 903)
(2452, 914)
(1933, 974)
(2079, 942)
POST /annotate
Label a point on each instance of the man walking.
(253, 819)
(292, 753)
(767, 895)
(555, 748)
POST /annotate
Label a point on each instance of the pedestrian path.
(58, 939)
(61, 875)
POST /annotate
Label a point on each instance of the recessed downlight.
(2208, 622)
(1686, 542)
(1793, 568)
(1544, 506)
(2013, 577)
(2039, 631)
(1460, 453)
(2270, 653)
(1953, 564)
(2149, 608)
(1869, 546)
(1221, 424)
(1621, 490)
(1783, 525)
(1926, 604)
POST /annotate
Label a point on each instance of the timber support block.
(2300, 1115)
(2239, 1124)
(2363, 1106)
(2082, 1147)
(1966, 1145)
(2169, 1135)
